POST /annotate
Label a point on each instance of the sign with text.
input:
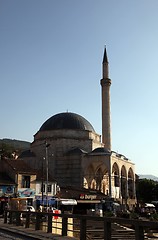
(88, 196)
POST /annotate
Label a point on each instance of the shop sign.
(6, 190)
(26, 192)
(44, 197)
(88, 196)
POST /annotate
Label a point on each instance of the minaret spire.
(106, 122)
(105, 58)
(105, 65)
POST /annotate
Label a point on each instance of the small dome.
(101, 150)
(67, 120)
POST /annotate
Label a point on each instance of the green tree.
(146, 190)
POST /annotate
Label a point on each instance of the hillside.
(8, 146)
(147, 176)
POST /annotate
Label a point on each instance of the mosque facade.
(75, 155)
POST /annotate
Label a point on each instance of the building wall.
(61, 141)
(81, 170)
(20, 182)
(39, 187)
(68, 171)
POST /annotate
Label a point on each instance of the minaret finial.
(105, 64)
(105, 58)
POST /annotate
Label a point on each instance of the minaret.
(105, 84)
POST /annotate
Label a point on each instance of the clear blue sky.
(51, 61)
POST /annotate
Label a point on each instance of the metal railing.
(79, 226)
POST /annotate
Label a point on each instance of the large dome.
(67, 120)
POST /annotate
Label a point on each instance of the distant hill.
(14, 144)
(148, 176)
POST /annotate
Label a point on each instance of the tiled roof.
(20, 166)
(27, 153)
(5, 179)
(72, 192)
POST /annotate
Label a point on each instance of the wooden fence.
(79, 227)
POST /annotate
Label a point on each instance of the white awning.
(150, 205)
(116, 204)
(88, 201)
(68, 202)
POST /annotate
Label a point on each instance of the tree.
(146, 190)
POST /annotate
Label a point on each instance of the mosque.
(79, 157)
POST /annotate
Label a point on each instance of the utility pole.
(47, 167)
(42, 183)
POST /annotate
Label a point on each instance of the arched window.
(93, 184)
(85, 183)
(131, 183)
(115, 175)
(123, 182)
(98, 177)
